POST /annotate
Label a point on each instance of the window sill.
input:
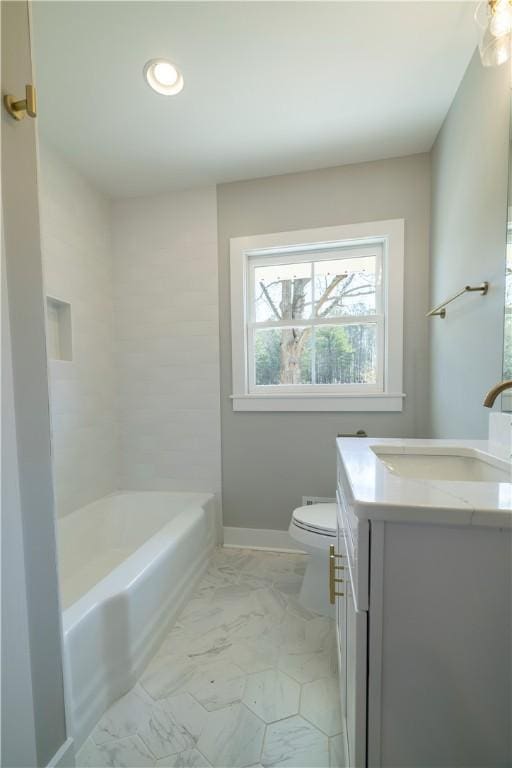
(307, 402)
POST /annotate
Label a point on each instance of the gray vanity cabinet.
(424, 629)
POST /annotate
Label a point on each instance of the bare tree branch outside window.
(343, 353)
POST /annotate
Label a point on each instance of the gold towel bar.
(440, 310)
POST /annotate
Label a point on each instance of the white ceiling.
(270, 87)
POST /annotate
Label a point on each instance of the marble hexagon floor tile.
(191, 758)
(320, 704)
(318, 635)
(296, 609)
(271, 602)
(243, 637)
(272, 695)
(337, 757)
(168, 675)
(124, 717)
(176, 643)
(232, 737)
(293, 635)
(228, 559)
(207, 648)
(213, 674)
(130, 752)
(202, 614)
(295, 743)
(289, 583)
(187, 712)
(164, 736)
(215, 579)
(217, 694)
(275, 563)
(309, 666)
(174, 726)
(255, 654)
(254, 581)
(232, 591)
(242, 616)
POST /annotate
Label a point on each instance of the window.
(317, 319)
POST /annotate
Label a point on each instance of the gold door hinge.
(332, 575)
(18, 109)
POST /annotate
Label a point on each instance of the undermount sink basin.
(464, 465)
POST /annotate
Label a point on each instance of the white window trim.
(391, 234)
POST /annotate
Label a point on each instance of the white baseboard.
(65, 755)
(259, 538)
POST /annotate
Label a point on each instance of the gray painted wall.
(269, 460)
(469, 206)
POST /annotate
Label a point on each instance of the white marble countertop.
(376, 493)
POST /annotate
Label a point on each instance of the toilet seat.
(319, 519)
(312, 529)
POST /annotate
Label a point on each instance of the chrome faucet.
(493, 393)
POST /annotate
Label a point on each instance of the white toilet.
(314, 528)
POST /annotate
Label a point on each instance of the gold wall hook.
(23, 107)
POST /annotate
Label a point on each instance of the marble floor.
(246, 677)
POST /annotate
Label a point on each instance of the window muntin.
(271, 285)
(315, 320)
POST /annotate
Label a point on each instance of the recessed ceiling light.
(163, 77)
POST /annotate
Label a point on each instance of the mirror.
(506, 399)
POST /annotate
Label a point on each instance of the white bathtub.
(127, 563)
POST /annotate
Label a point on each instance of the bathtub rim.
(132, 568)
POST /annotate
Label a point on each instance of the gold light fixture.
(494, 17)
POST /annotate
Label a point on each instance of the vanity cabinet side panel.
(446, 638)
(376, 581)
(356, 681)
(341, 635)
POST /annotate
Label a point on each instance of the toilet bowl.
(314, 527)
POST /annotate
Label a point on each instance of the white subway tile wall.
(77, 260)
(138, 407)
(166, 314)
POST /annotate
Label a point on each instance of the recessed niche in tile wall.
(59, 329)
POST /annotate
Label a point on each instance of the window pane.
(345, 286)
(346, 354)
(283, 356)
(282, 292)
